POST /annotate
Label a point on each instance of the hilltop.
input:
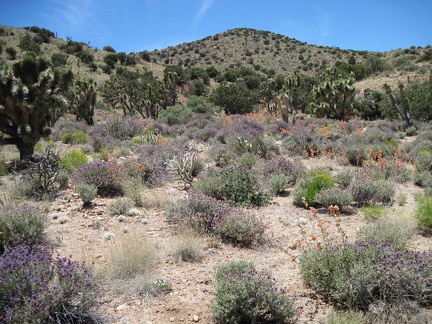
(267, 53)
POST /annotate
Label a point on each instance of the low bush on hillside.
(246, 295)
(35, 287)
(306, 191)
(73, 159)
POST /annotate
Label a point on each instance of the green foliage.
(28, 44)
(73, 159)
(21, 224)
(372, 211)
(334, 97)
(235, 98)
(306, 191)
(59, 59)
(245, 295)
(423, 213)
(235, 184)
(200, 105)
(11, 52)
(20, 95)
(87, 192)
(177, 114)
(83, 100)
(74, 137)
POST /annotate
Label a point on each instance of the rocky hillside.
(263, 51)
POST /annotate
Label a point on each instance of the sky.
(137, 25)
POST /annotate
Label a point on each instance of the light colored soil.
(82, 236)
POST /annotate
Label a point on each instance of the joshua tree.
(334, 96)
(84, 100)
(30, 100)
(404, 112)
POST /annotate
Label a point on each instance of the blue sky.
(136, 25)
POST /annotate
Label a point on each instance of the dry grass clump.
(187, 247)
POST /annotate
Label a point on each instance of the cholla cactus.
(150, 138)
(185, 168)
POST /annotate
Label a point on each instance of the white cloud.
(205, 6)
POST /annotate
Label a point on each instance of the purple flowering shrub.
(238, 227)
(35, 287)
(197, 211)
(245, 295)
(106, 176)
(23, 224)
(357, 275)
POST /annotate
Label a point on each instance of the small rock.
(125, 229)
(121, 218)
(122, 307)
(62, 219)
(134, 212)
(108, 235)
(172, 319)
(144, 220)
(57, 215)
(302, 221)
(195, 318)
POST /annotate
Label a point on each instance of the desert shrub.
(423, 213)
(372, 211)
(388, 231)
(245, 295)
(235, 184)
(120, 206)
(3, 168)
(280, 166)
(38, 288)
(307, 189)
(187, 247)
(238, 227)
(424, 160)
(74, 137)
(107, 177)
(367, 191)
(176, 115)
(344, 178)
(221, 154)
(354, 155)
(334, 196)
(119, 129)
(276, 184)
(423, 179)
(197, 211)
(21, 224)
(199, 105)
(73, 159)
(87, 192)
(356, 275)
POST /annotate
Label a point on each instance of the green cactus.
(84, 100)
(405, 111)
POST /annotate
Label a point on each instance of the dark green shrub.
(238, 227)
(235, 184)
(305, 192)
(23, 224)
(245, 295)
(424, 213)
(35, 287)
(59, 59)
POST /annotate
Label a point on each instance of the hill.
(265, 52)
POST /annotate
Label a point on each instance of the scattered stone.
(125, 230)
(108, 235)
(121, 218)
(122, 307)
(134, 212)
(302, 221)
(172, 319)
(62, 219)
(195, 318)
(57, 215)
(144, 220)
